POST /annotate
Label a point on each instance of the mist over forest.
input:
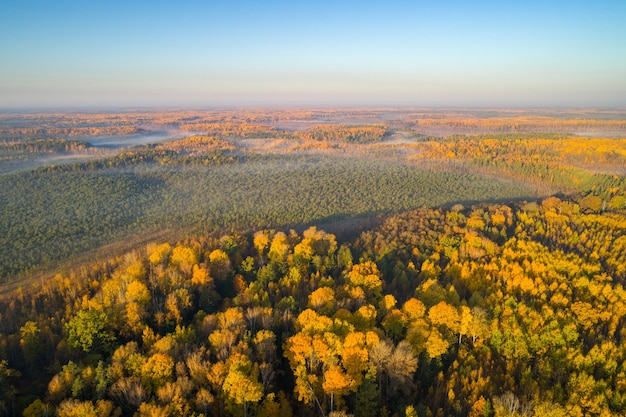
(313, 261)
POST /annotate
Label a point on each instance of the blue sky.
(408, 53)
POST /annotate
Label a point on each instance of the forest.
(313, 262)
(483, 310)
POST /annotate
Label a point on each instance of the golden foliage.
(436, 345)
(337, 382)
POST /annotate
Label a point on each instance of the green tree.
(7, 390)
(367, 396)
(88, 330)
(31, 342)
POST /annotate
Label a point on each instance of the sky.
(323, 53)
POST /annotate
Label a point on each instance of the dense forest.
(73, 208)
(314, 262)
(486, 310)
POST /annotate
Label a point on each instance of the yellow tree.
(354, 356)
(240, 385)
(76, 408)
(367, 276)
(160, 253)
(316, 246)
(222, 342)
(310, 322)
(337, 382)
(443, 314)
(305, 363)
(436, 345)
(414, 309)
(176, 303)
(152, 410)
(157, 370)
(310, 353)
(200, 277)
(322, 300)
(418, 328)
(465, 322)
(279, 248)
(184, 257)
(261, 242)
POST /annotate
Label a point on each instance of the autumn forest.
(313, 262)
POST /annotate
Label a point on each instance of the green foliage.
(68, 213)
(31, 341)
(88, 330)
(7, 390)
(367, 397)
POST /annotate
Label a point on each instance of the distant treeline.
(520, 124)
(56, 132)
(43, 146)
(326, 132)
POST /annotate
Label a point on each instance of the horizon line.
(276, 106)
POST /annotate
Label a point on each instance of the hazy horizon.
(352, 54)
